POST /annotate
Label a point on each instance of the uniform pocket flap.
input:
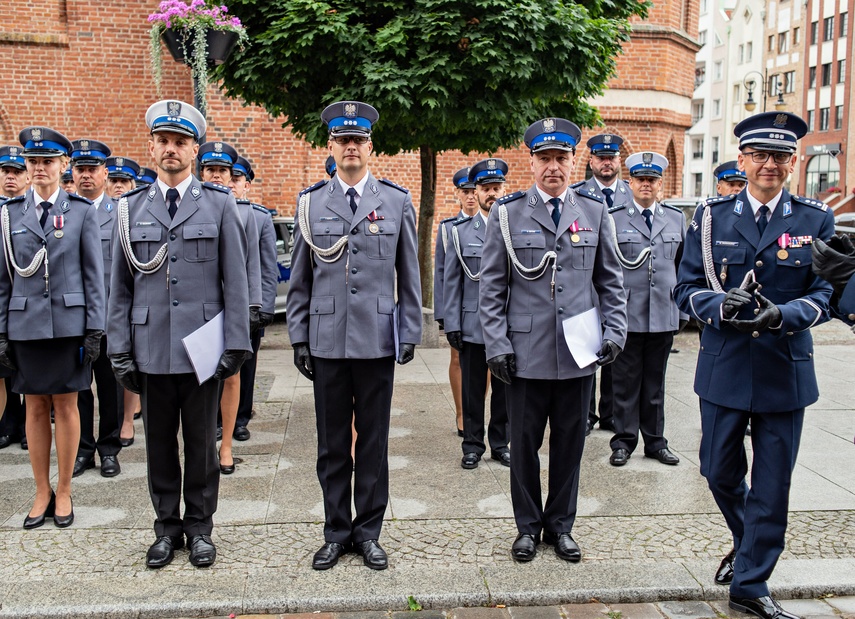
(385, 305)
(712, 346)
(211, 309)
(519, 323)
(523, 241)
(107, 234)
(629, 237)
(728, 255)
(672, 237)
(145, 234)
(139, 315)
(586, 237)
(200, 231)
(321, 228)
(796, 257)
(73, 299)
(470, 304)
(383, 227)
(323, 305)
(18, 303)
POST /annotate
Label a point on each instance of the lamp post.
(750, 85)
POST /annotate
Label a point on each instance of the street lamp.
(750, 84)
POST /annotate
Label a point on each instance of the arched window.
(822, 172)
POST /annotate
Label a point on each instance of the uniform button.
(353, 271)
(652, 284)
(355, 250)
(528, 242)
(851, 316)
(789, 332)
(560, 288)
(759, 263)
(755, 334)
(354, 231)
(353, 291)
(560, 310)
(173, 258)
(381, 229)
(174, 280)
(559, 268)
(798, 262)
(810, 354)
(327, 230)
(171, 237)
(175, 302)
(200, 233)
(45, 295)
(653, 271)
(652, 243)
(558, 247)
(724, 260)
(709, 321)
(142, 235)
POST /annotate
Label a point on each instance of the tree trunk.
(426, 208)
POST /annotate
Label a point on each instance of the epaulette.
(718, 200)
(617, 207)
(461, 221)
(260, 208)
(579, 184)
(810, 202)
(448, 219)
(671, 206)
(386, 181)
(14, 200)
(136, 190)
(510, 197)
(311, 188)
(216, 187)
(74, 196)
(243, 201)
(591, 196)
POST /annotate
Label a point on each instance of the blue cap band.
(88, 154)
(7, 159)
(724, 173)
(45, 145)
(344, 121)
(239, 169)
(496, 175)
(221, 158)
(161, 121)
(558, 138)
(146, 179)
(604, 146)
(645, 167)
(114, 169)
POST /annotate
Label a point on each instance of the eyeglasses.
(763, 157)
(343, 140)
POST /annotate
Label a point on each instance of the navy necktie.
(351, 193)
(45, 209)
(762, 221)
(556, 211)
(648, 218)
(608, 193)
(172, 200)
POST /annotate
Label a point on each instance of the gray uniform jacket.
(651, 307)
(523, 317)
(106, 213)
(204, 273)
(443, 238)
(267, 257)
(590, 187)
(345, 309)
(253, 258)
(75, 300)
(461, 292)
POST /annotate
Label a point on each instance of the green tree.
(444, 74)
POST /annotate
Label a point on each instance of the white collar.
(756, 204)
(181, 187)
(53, 197)
(360, 186)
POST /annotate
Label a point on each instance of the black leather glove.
(229, 364)
(766, 316)
(455, 339)
(681, 325)
(441, 324)
(254, 320)
(406, 353)
(92, 345)
(266, 319)
(834, 261)
(6, 352)
(736, 299)
(503, 366)
(608, 352)
(126, 371)
(303, 360)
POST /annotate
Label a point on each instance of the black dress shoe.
(24, 444)
(619, 457)
(664, 456)
(162, 551)
(228, 469)
(328, 555)
(565, 546)
(34, 522)
(82, 464)
(219, 433)
(373, 555)
(126, 442)
(589, 425)
(64, 521)
(470, 461)
(5, 441)
(241, 433)
(764, 607)
(524, 547)
(110, 466)
(502, 457)
(724, 575)
(202, 550)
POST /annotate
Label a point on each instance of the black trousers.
(247, 382)
(473, 368)
(14, 421)
(111, 410)
(170, 401)
(564, 404)
(639, 391)
(360, 390)
(606, 416)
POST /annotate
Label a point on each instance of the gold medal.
(783, 254)
(58, 234)
(373, 228)
(574, 237)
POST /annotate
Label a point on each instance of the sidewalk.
(649, 533)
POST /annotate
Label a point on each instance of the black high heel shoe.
(64, 521)
(34, 522)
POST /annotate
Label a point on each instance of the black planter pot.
(220, 44)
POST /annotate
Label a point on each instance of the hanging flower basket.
(219, 44)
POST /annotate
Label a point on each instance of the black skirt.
(50, 367)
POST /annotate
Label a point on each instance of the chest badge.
(373, 228)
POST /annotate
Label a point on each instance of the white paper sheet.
(584, 336)
(205, 346)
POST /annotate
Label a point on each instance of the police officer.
(614, 191)
(13, 174)
(146, 177)
(756, 358)
(729, 178)
(121, 176)
(354, 246)
(88, 165)
(242, 177)
(66, 181)
(180, 246)
(463, 323)
(548, 256)
(52, 304)
(650, 242)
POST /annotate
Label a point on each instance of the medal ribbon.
(58, 221)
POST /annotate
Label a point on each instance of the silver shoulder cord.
(512, 255)
(305, 229)
(706, 252)
(29, 271)
(455, 237)
(147, 268)
(444, 234)
(626, 262)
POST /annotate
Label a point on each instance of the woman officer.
(52, 306)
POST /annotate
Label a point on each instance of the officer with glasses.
(746, 274)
